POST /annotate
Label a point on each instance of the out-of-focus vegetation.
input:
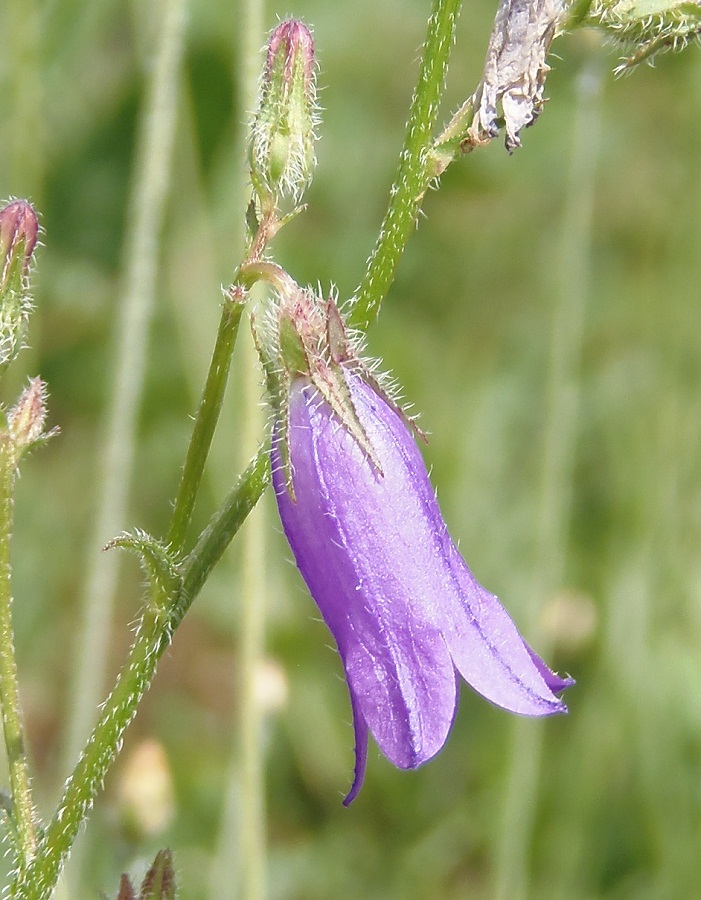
(609, 584)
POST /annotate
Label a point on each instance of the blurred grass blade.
(150, 185)
(561, 433)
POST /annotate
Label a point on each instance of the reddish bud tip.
(292, 41)
(18, 225)
(281, 150)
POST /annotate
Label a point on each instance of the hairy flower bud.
(26, 419)
(19, 229)
(281, 151)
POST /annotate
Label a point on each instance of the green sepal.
(334, 386)
(277, 383)
(342, 353)
(646, 27)
(293, 353)
(310, 342)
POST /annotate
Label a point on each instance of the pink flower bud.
(26, 419)
(19, 229)
(281, 152)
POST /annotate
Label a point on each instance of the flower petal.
(349, 535)
(492, 656)
(554, 681)
(361, 752)
(403, 607)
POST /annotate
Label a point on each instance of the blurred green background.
(555, 359)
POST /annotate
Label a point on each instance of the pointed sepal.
(303, 336)
(126, 889)
(159, 882)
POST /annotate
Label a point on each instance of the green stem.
(218, 534)
(22, 816)
(158, 623)
(39, 880)
(206, 420)
(415, 170)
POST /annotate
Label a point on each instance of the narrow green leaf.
(159, 563)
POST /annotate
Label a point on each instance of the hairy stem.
(225, 523)
(415, 172)
(21, 815)
(206, 420)
(159, 621)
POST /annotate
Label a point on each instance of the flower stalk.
(170, 597)
(415, 170)
(206, 418)
(164, 610)
(21, 816)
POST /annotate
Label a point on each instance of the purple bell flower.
(404, 609)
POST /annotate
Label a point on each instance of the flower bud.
(281, 151)
(19, 229)
(26, 419)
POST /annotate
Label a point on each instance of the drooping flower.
(370, 541)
